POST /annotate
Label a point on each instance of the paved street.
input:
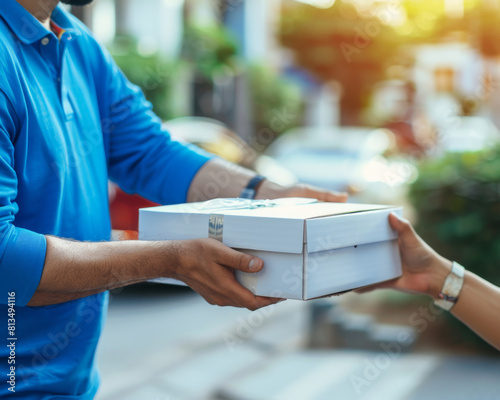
(174, 346)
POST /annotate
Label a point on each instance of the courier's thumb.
(242, 262)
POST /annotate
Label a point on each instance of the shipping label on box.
(310, 249)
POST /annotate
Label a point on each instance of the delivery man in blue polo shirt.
(69, 120)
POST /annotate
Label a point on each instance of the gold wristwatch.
(452, 287)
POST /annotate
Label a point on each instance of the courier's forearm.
(222, 179)
(479, 307)
(78, 269)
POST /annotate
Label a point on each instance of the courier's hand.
(207, 266)
(270, 190)
(424, 270)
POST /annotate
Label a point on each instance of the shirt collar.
(25, 26)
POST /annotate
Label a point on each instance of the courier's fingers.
(324, 195)
(336, 197)
(237, 294)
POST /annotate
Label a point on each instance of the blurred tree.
(489, 28)
(354, 42)
(339, 43)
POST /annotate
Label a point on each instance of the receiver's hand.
(424, 270)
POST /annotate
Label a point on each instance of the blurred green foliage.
(277, 103)
(457, 199)
(210, 48)
(207, 54)
(152, 73)
(458, 203)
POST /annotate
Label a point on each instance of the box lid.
(281, 225)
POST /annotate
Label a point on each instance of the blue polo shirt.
(69, 120)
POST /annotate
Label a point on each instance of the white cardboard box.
(310, 249)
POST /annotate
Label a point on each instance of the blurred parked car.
(347, 159)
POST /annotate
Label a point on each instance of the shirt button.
(45, 41)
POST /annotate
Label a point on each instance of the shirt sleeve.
(142, 158)
(22, 252)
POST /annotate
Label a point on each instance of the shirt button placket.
(45, 48)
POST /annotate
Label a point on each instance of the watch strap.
(251, 189)
(452, 287)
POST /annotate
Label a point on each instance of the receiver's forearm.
(479, 307)
(78, 269)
